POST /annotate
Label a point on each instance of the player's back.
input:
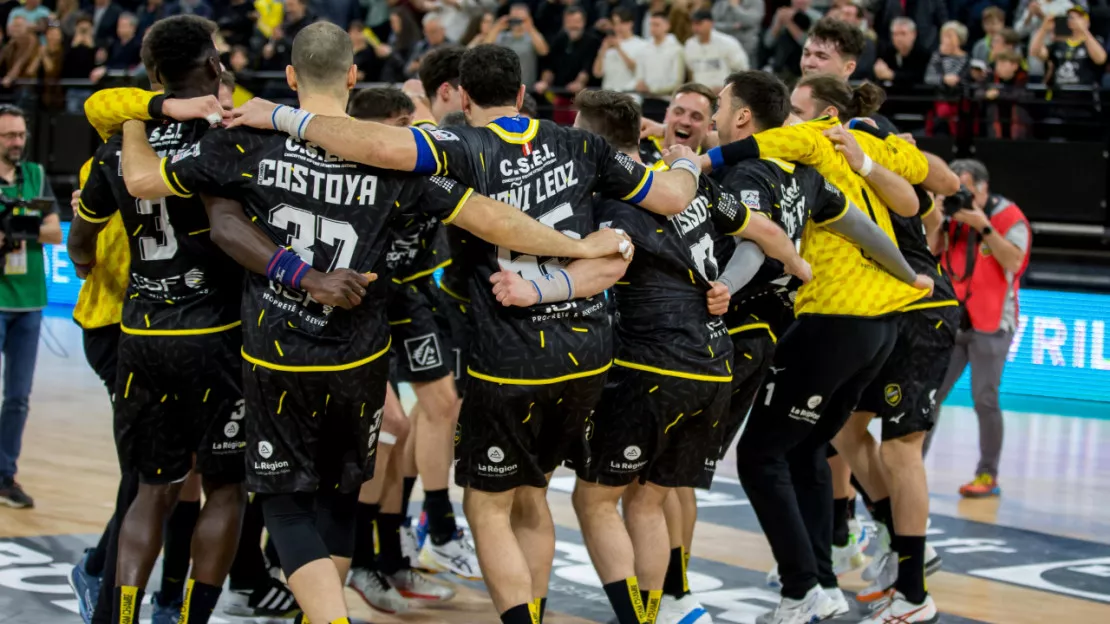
(180, 280)
(909, 233)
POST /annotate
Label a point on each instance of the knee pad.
(291, 521)
(335, 521)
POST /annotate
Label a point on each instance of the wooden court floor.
(1055, 505)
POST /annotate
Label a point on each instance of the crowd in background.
(992, 48)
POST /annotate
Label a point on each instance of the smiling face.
(687, 121)
(823, 57)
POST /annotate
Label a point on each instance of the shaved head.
(323, 56)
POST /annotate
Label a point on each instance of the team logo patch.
(458, 433)
(893, 394)
(423, 352)
(444, 135)
(750, 199)
(632, 453)
(495, 454)
(265, 449)
(814, 401)
(589, 430)
(231, 429)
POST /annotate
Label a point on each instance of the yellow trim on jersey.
(453, 295)
(785, 166)
(315, 369)
(843, 212)
(673, 373)
(87, 215)
(517, 138)
(458, 207)
(658, 165)
(537, 382)
(170, 185)
(178, 332)
(424, 273)
(752, 326)
(430, 122)
(431, 146)
(929, 305)
(636, 191)
(744, 225)
(928, 211)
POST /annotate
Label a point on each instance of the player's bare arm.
(940, 180)
(775, 243)
(894, 190)
(673, 190)
(81, 243)
(142, 168)
(584, 278)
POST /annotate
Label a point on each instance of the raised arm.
(893, 189)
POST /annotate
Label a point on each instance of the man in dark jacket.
(929, 15)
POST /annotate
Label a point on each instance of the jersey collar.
(518, 130)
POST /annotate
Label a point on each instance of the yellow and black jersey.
(845, 281)
(100, 301)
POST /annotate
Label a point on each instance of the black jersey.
(550, 172)
(662, 320)
(651, 150)
(419, 246)
(913, 241)
(333, 214)
(181, 282)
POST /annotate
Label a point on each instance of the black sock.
(520, 614)
(627, 600)
(200, 601)
(175, 556)
(128, 602)
(366, 516)
(911, 567)
(248, 570)
(852, 507)
(94, 565)
(674, 584)
(542, 607)
(389, 559)
(867, 502)
(441, 516)
(840, 522)
(881, 512)
(406, 494)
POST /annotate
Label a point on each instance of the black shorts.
(179, 395)
(421, 335)
(456, 312)
(313, 430)
(655, 428)
(904, 393)
(753, 350)
(510, 436)
(102, 353)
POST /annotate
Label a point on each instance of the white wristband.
(865, 169)
(291, 121)
(552, 288)
(685, 164)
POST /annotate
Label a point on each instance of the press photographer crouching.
(28, 218)
(984, 248)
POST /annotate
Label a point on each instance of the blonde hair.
(958, 28)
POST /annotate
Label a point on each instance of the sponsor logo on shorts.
(423, 352)
(271, 467)
(710, 463)
(897, 420)
(458, 433)
(619, 467)
(490, 470)
(893, 394)
(776, 371)
(588, 430)
(932, 401)
(373, 444)
(495, 454)
(632, 453)
(231, 429)
(226, 446)
(804, 415)
(265, 449)
(814, 401)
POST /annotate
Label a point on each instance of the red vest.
(983, 293)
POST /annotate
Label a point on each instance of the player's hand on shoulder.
(801, 270)
(513, 290)
(846, 144)
(717, 298)
(256, 113)
(341, 288)
(676, 152)
(607, 242)
(924, 282)
(206, 107)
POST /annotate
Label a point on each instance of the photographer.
(984, 249)
(22, 293)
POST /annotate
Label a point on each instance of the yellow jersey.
(100, 301)
(845, 281)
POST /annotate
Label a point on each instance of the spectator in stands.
(851, 13)
(18, 54)
(742, 19)
(785, 36)
(1075, 60)
(1005, 92)
(479, 29)
(1034, 13)
(79, 63)
(52, 53)
(67, 13)
(403, 35)
(949, 64)
(600, 10)
(712, 55)
(105, 15)
(434, 37)
(621, 53)
(339, 12)
(550, 15)
(995, 233)
(199, 8)
(902, 63)
(124, 53)
(572, 55)
(456, 15)
(667, 66)
(276, 53)
(151, 11)
(239, 59)
(236, 20)
(36, 15)
(994, 20)
(927, 15)
(517, 32)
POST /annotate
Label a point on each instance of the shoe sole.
(374, 606)
(77, 594)
(872, 597)
(424, 597)
(990, 494)
(440, 568)
(248, 612)
(14, 505)
(933, 565)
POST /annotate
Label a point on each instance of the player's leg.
(178, 538)
(611, 550)
(675, 584)
(534, 530)
(956, 366)
(253, 592)
(647, 529)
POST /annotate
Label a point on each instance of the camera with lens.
(961, 200)
(20, 220)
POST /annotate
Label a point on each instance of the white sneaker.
(415, 586)
(408, 544)
(849, 557)
(875, 568)
(808, 610)
(901, 611)
(933, 560)
(684, 610)
(456, 556)
(377, 592)
(774, 581)
(836, 606)
(884, 579)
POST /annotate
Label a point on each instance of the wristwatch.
(985, 232)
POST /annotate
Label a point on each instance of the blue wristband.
(715, 157)
(287, 268)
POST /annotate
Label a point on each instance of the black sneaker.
(12, 495)
(271, 599)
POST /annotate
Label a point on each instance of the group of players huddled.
(604, 305)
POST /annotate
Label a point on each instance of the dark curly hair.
(491, 75)
(176, 46)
